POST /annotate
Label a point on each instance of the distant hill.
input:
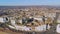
(46, 6)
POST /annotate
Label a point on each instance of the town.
(30, 19)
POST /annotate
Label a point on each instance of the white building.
(42, 28)
(58, 28)
(4, 19)
(52, 15)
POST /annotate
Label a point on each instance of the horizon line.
(31, 5)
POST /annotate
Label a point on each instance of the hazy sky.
(29, 2)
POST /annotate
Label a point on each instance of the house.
(13, 22)
(20, 21)
(58, 19)
(24, 20)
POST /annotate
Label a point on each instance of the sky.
(28, 2)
